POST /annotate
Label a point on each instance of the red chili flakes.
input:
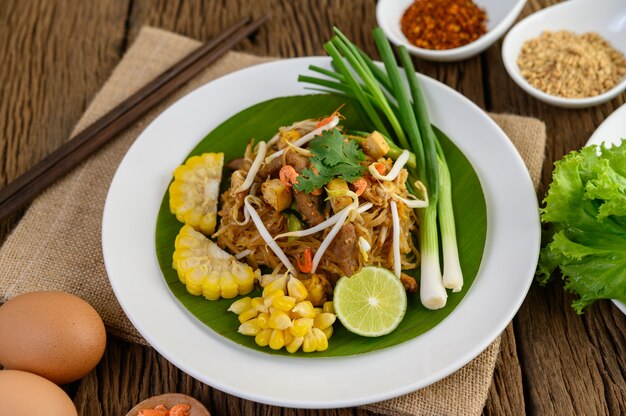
(443, 24)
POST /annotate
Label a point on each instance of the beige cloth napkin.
(56, 245)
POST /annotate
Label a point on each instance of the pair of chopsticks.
(25, 188)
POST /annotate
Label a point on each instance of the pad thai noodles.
(320, 203)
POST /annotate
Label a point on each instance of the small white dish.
(500, 14)
(611, 131)
(607, 18)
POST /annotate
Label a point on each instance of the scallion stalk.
(385, 102)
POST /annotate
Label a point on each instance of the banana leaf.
(261, 122)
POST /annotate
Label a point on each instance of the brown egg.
(53, 334)
(26, 394)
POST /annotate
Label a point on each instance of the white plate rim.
(512, 248)
(607, 133)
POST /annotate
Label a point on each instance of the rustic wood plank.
(567, 364)
(506, 394)
(49, 73)
(552, 361)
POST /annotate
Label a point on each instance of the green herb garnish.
(333, 157)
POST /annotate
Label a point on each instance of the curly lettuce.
(586, 211)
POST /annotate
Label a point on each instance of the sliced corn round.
(205, 269)
(195, 190)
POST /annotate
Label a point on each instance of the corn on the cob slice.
(205, 269)
(280, 320)
(195, 190)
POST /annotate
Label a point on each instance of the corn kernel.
(278, 284)
(250, 328)
(277, 339)
(288, 337)
(268, 298)
(301, 326)
(318, 310)
(258, 304)
(263, 318)
(328, 307)
(240, 305)
(247, 315)
(296, 289)
(295, 344)
(328, 332)
(228, 285)
(324, 320)
(284, 303)
(263, 337)
(304, 309)
(320, 339)
(279, 320)
(310, 342)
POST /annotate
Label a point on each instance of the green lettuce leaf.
(586, 209)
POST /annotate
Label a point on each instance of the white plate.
(611, 131)
(128, 232)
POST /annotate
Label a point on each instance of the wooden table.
(57, 54)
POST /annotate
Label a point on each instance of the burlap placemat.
(56, 245)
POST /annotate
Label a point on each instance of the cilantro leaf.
(585, 206)
(333, 157)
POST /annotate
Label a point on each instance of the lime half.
(370, 303)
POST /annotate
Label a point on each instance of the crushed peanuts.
(569, 65)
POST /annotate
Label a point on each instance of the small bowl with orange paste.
(446, 30)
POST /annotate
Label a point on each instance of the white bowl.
(500, 14)
(606, 17)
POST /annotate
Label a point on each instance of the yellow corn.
(277, 339)
(288, 337)
(284, 303)
(263, 337)
(268, 297)
(295, 344)
(324, 320)
(195, 190)
(328, 307)
(279, 320)
(310, 342)
(280, 283)
(248, 314)
(205, 269)
(240, 305)
(258, 304)
(250, 328)
(263, 318)
(300, 327)
(328, 332)
(321, 342)
(296, 289)
(304, 309)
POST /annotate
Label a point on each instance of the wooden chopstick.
(26, 187)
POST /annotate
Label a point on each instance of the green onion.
(384, 100)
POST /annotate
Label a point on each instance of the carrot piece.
(360, 185)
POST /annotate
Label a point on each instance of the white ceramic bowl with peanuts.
(606, 18)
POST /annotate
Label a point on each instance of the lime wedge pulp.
(370, 303)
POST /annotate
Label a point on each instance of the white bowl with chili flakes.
(581, 28)
(500, 15)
